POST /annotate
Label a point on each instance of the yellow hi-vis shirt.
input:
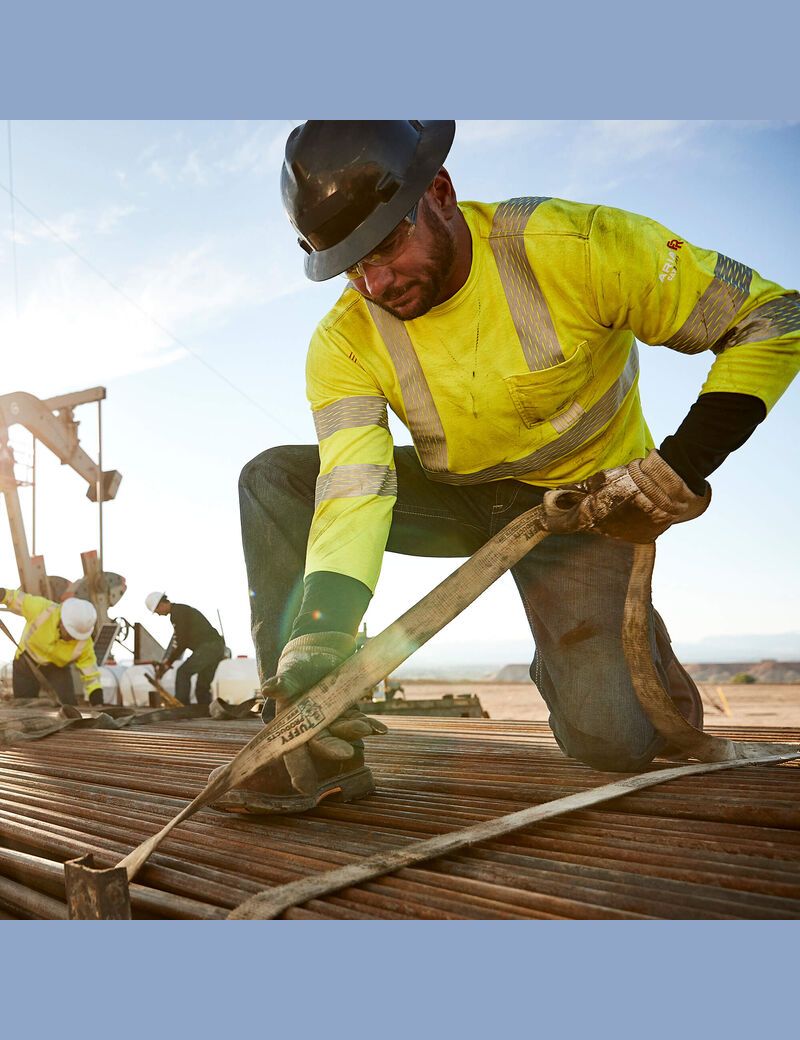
(529, 372)
(42, 638)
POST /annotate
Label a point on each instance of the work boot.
(270, 789)
(681, 688)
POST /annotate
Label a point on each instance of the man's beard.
(432, 274)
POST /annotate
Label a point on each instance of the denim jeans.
(572, 589)
(203, 663)
(25, 683)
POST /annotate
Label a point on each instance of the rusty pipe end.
(96, 894)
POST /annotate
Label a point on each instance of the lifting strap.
(274, 901)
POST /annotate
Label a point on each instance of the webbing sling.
(339, 690)
(274, 901)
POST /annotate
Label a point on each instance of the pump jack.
(52, 422)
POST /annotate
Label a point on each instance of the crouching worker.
(56, 636)
(192, 631)
(503, 336)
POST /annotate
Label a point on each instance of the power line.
(13, 220)
(134, 303)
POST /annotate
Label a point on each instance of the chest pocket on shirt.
(550, 393)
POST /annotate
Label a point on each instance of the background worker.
(192, 631)
(56, 636)
(504, 337)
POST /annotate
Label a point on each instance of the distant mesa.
(761, 671)
(512, 673)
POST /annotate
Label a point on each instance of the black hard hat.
(347, 184)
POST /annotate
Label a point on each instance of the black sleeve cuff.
(331, 603)
(717, 424)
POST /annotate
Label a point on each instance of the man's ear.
(442, 194)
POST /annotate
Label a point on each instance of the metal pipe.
(726, 847)
(100, 483)
(21, 899)
(33, 500)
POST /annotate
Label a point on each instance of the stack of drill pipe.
(725, 845)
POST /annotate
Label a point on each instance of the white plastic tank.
(236, 680)
(6, 688)
(134, 687)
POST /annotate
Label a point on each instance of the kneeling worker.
(192, 631)
(57, 635)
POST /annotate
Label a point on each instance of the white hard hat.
(152, 599)
(78, 617)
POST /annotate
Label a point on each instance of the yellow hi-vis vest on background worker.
(42, 638)
(530, 371)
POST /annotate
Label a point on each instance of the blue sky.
(184, 218)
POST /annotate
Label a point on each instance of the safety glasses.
(389, 249)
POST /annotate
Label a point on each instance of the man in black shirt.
(192, 631)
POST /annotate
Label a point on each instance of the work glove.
(304, 661)
(637, 502)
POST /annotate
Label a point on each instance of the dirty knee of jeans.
(582, 631)
(272, 465)
(611, 761)
(610, 756)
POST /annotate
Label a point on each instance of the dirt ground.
(755, 704)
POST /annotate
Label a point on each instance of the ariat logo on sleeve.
(670, 268)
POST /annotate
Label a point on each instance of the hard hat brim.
(77, 633)
(436, 137)
(151, 597)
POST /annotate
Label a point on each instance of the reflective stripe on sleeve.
(349, 413)
(716, 308)
(770, 320)
(89, 677)
(354, 481)
(14, 600)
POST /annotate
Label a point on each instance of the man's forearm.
(717, 424)
(331, 603)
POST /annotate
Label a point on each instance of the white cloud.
(471, 132)
(70, 320)
(239, 148)
(156, 168)
(618, 150)
(261, 150)
(74, 225)
(603, 142)
(111, 217)
(193, 288)
(67, 326)
(194, 169)
(602, 154)
(67, 226)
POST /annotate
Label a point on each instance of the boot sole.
(346, 788)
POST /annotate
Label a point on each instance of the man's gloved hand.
(160, 668)
(304, 661)
(651, 497)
